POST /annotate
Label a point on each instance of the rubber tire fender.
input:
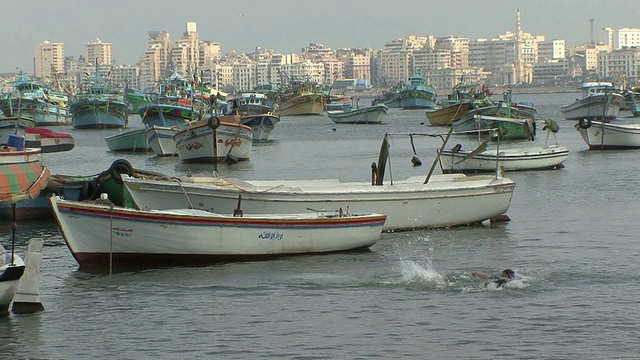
(119, 167)
(584, 123)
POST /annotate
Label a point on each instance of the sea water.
(572, 241)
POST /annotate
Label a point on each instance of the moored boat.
(602, 135)
(133, 140)
(100, 235)
(301, 98)
(437, 201)
(417, 94)
(48, 141)
(161, 139)
(29, 99)
(599, 101)
(446, 115)
(211, 141)
(99, 107)
(510, 159)
(366, 115)
(261, 124)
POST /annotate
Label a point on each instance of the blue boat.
(99, 107)
(29, 99)
(417, 94)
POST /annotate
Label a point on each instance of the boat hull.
(98, 235)
(369, 115)
(41, 112)
(261, 124)
(233, 142)
(98, 114)
(161, 139)
(128, 141)
(447, 200)
(417, 99)
(48, 141)
(445, 116)
(306, 104)
(597, 106)
(534, 158)
(600, 135)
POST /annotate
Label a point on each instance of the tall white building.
(98, 53)
(49, 59)
(154, 66)
(185, 54)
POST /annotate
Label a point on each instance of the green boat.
(137, 98)
(128, 141)
(632, 100)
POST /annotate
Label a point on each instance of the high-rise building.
(154, 66)
(98, 53)
(185, 55)
(49, 59)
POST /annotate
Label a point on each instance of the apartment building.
(98, 52)
(49, 59)
(620, 66)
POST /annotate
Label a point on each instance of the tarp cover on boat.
(21, 182)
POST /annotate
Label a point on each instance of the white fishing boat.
(513, 157)
(417, 202)
(213, 141)
(11, 270)
(99, 234)
(261, 124)
(367, 115)
(161, 139)
(517, 159)
(600, 100)
(601, 135)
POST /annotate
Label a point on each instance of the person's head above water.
(508, 273)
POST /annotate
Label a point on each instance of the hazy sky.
(290, 25)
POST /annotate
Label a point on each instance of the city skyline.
(269, 25)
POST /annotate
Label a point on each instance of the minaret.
(519, 64)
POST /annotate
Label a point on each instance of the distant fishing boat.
(99, 107)
(366, 115)
(302, 98)
(417, 94)
(29, 99)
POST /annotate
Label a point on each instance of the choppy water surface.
(572, 241)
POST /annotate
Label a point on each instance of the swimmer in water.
(505, 276)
